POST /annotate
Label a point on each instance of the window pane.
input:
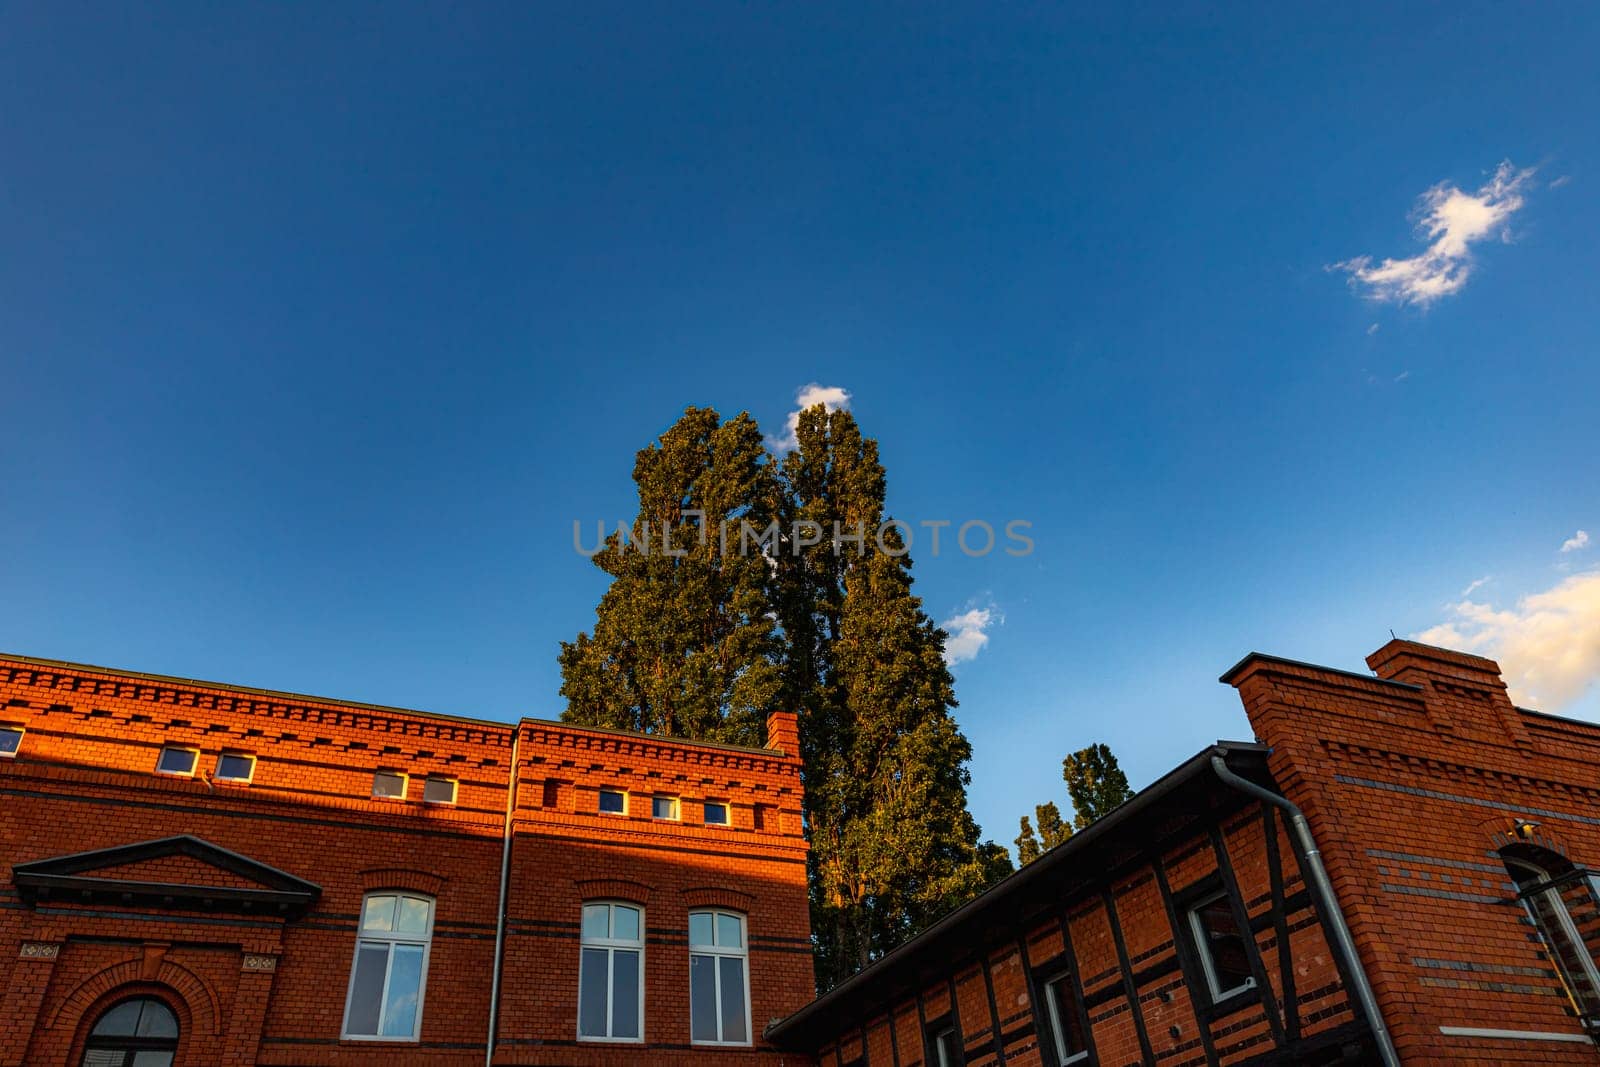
(235, 767)
(612, 801)
(733, 1028)
(702, 998)
(414, 913)
(700, 926)
(176, 761)
(378, 914)
(730, 931)
(716, 814)
(10, 741)
(664, 807)
(597, 920)
(152, 1059)
(102, 1058)
(439, 791)
(624, 993)
(592, 993)
(1230, 957)
(366, 990)
(625, 923)
(120, 1021)
(405, 989)
(387, 784)
(157, 1020)
(1065, 1026)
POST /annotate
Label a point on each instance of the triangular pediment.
(172, 872)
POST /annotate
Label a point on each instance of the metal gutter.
(500, 916)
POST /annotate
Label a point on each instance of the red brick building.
(1438, 906)
(201, 874)
(1396, 869)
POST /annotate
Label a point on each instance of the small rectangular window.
(439, 791)
(235, 767)
(944, 1046)
(664, 807)
(389, 784)
(177, 761)
(1063, 1017)
(1221, 945)
(613, 802)
(716, 813)
(10, 740)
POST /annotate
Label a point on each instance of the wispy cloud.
(1577, 542)
(833, 397)
(1559, 182)
(1548, 644)
(1475, 586)
(1372, 329)
(1452, 222)
(969, 633)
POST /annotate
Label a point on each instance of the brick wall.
(262, 987)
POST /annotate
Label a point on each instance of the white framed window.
(1221, 945)
(178, 761)
(611, 973)
(1062, 1013)
(716, 813)
(10, 741)
(390, 971)
(613, 802)
(236, 767)
(439, 791)
(389, 785)
(664, 807)
(719, 978)
(944, 1046)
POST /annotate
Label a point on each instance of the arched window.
(611, 973)
(1560, 900)
(719, 978)
(141, 1032)
(390, 972)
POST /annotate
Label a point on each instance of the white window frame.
(193, 766)
(677, 808)
(623, 814)
(951, 1055)
(1053, 1009)
(727, 812)
(1202, 945)
(13, 728)
(453, 783)
(248, 778)
(391, 938)
(405, 785)
(611, 945)
(719, 952)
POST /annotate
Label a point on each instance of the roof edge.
(1232, 673)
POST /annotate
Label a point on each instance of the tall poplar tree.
(893, 845)
(1095, 785)
(684, 641)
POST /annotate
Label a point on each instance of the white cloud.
(833, 397)
(1402, 376)
(1559, 182)
(1548, 645)
(1452, 222)
(1469, 590)
(1577, 542)
(1372, 329)
(969, 633)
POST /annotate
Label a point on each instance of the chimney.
(783, 733)
(1464, 694)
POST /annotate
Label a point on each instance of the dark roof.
(1261, 657)
(1088, 857)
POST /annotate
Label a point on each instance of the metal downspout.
(1343, 943)
(505, 887)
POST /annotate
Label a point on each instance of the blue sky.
(320, 327)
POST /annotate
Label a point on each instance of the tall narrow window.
(1221, 946)
(1560, 901)
(135, 1033)
(944, 1044)
(391, 968)
(611, 973)
(1064, 1017)
(719, 979)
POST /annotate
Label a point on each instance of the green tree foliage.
(684, 642)
(1095, 785)
(1052, 831)
(892, 843)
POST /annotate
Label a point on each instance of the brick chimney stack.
(1464, 694)
(783, 733)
